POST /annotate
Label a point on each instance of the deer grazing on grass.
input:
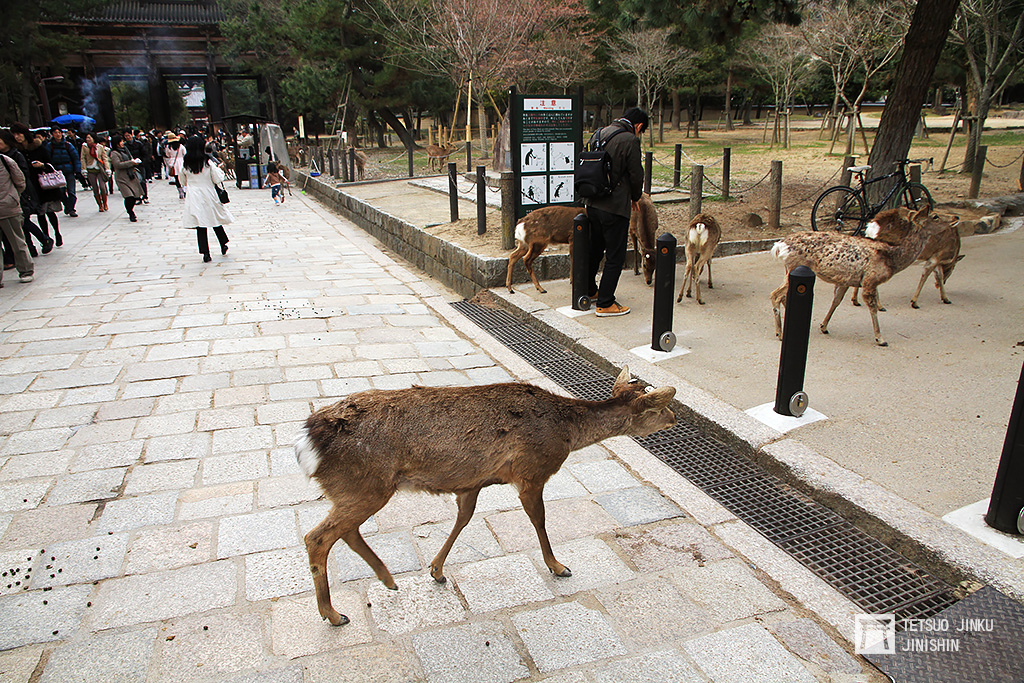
(538, 229)
(702, 237)
(453, 440)
(437, 156)
(846, 261)
(643, 228)
(940, 255)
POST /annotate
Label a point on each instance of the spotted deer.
(846, 261)
(940, 254)
(364, 448)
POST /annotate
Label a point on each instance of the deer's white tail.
(872, 230)
(521, 231)
(780, 250)
(307, 454)
(698, 235)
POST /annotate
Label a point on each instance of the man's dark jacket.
(627, 169)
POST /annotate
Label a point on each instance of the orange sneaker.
(613, 310)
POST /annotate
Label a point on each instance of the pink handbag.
(52, 179)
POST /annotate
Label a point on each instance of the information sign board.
(546, 139)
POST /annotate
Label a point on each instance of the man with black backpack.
(609, 213)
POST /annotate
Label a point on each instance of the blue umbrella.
(67, 119)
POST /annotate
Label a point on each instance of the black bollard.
(1006, 509)
(662, 337)
(352, 164)
(790, 398)
(469, 156)
(453, 191)
(412, 171)
(648, 165)
(481, 200)
(580, 263)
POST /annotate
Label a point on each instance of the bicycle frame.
(894, 191)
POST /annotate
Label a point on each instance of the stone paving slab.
(117, 658)
(166, 394)
(163, 595)
(567, 635)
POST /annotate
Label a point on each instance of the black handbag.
(222, 194)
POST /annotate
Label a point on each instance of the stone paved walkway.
(152, 513)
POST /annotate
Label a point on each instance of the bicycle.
(847, 210)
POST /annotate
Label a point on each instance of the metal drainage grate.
(869, 573)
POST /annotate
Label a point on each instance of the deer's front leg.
(837, 299)
(467, 504)
(533, 502)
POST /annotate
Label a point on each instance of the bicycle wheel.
(839, 209)
(916, 196)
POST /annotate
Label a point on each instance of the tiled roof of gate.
(195, 13)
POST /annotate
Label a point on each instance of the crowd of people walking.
(41, 168)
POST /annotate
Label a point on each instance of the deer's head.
(648, 408)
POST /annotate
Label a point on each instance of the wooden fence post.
(508, 212)
(726, 164)
(775, 197)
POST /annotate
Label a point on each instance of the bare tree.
(651, 57)
(991, 33)
(474, 42)
(858, 38)
(778, 55)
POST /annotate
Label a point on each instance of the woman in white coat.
(202, 205)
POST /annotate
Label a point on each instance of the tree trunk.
(401, 131)
(675, 109)
(482, 122)
(728, 100)
(974, 124)
(921, 52)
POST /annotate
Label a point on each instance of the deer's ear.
(622, 380)
(656, 399)
(921, 213)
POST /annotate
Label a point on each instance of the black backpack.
(593, 176)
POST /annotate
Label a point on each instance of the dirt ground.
(808, 169)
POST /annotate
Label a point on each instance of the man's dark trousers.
(608, 238)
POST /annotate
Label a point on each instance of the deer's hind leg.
(532, 496)
(778, 299)
(518, 253)
(467, 504)
(528, 260)
(342, 522)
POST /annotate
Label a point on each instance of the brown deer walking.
(453, 440)
(940, 254)
(437, 156)
(538, 229)
(846, 261)
(643, 228)
(702, 238)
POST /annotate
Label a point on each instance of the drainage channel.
(873, 576)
